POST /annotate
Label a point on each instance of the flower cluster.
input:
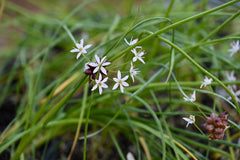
(192, 98)
(97, 70)
(216, 125)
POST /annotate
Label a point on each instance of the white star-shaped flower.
(189, 120)
(130, 156)
(138, 55)
(100, 83)
(230, 76)
(192, 99)
(80, 48)
(235, 48)
(100, 64)
(132, 42)
(120, 82)
(133, 72)
(207, 81)
(235, 93)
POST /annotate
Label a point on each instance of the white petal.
(79, 54)
(125, 78)
(103, 59)
(97, 58)
(132, 78)
(134, 59)
(104, 71)
(119, 74)
(115, 86)
(130, 156)
(121, 88)
(81, 43)
(93, 64)
(115, 79)
(84, 51)
(100, 90)
(104, 85)
(94, 87)
(96, 70)
(126, 41)
(87, 46)
(141, 54)
(187, 119)
(74, 50)
(105, 80)
(100, 77)
(134, 51)
(141, 60)
(134, 41)
(106, 63)
(125, 84)
(78, 45)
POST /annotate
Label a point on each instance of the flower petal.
(87, 46)
(105, 80)
(126, 41)
(125, 84)
(100, 90)
(74, 50)
(125, 78)
(79, 54)
(104, 85)
(134, 59)
(97, 58)
(92, 64)
(96, 70)
(115, 86)
(104, 71)
(78, 45)
(106, 63)
(94, 87)
(115, 79)
(81, 43)
(121, 88)
(140, 58)
(119, 74)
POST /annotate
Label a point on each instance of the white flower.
(100, 83)
(132, 42)
(192, 99)
(100, 64)
(230, 76)
(206, 82)
(80, 48)
(120, 82)
(133, 72)
(130, 156)
(235, 93)
(235, 48)
(189, 120)
(138, 55)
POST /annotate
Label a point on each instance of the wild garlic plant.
(140, 80)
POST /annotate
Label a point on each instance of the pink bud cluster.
(216, 125)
